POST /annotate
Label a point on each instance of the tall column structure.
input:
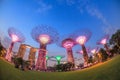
(44, 35)
(32, 54)
(68, 44)
(22, 50)
(16, 36)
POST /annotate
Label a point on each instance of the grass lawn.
(109, 70)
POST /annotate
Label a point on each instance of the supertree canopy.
(68, 43)
(58, 58)
(103, 41)
(16, 36)
(81, 37)
(94, 50)
(44, 35)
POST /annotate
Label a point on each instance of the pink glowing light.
(81, 40)
(68, 44)
(81, 51)
(44, 39)
(93, 51)
(103, 41)
(14, 38)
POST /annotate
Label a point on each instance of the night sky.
(99, 16)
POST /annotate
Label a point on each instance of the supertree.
(44, 35)
(48, 58)
(95, 54)
(103, 41)
(16, 36)
(58, 58)
(68, 43)
(94, 50)
(81, 37)
(81, 51)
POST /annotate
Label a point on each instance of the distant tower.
(32, 55)
(44, 35)
(16, 36)
(21, 51)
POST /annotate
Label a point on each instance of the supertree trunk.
(9, 52)
(107, 49)
(32, 56)
(85, 55)
(41, 61)
(58, 62)
(70, 55)
(21, 51)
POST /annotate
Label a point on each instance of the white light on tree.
(44, 39)
(103, 41)
(81, 40)
(14, 38)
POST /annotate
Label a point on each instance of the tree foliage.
(115, 41)
(103, 54)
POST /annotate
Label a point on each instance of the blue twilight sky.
(99, 16)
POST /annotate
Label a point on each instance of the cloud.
(43, 7)
(110, 29)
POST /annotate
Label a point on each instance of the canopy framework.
(103, 41)
(44, 35)
(81, 37)
(16, 36)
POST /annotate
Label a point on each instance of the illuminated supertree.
(81, 51)
(47, 58)
(44, 35)
(68, 43)
(94, 50)
(103, 41)
(95, 54)
(58, 58)
(81, 37)
(16, 36)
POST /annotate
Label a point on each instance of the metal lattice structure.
(103, 41)
(81, 37)
(68, 43)
(16, 36)
(44, 35)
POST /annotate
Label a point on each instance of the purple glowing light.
(68, 44)
(103, 41)
(93, 51)
(14, 38)
(81, 40)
